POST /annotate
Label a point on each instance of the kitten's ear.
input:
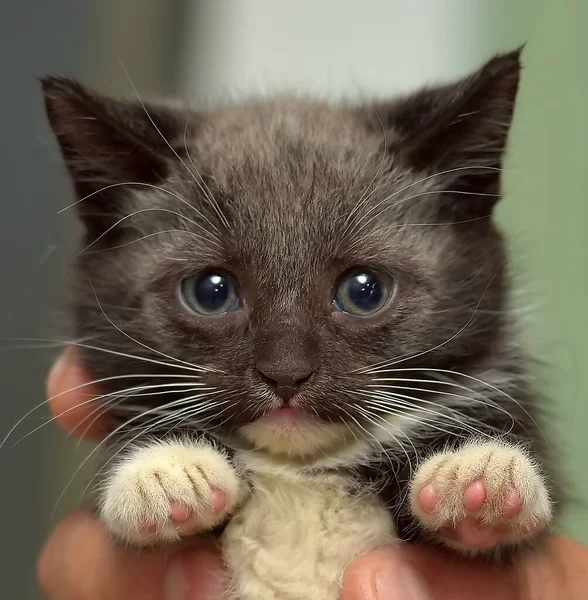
(105, 142)
(460, 127)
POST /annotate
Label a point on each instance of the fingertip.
(422, 573)
(70, 392)
(57, 372)
(368, 577)
(81, 561)
(196, 574)
(59, 556)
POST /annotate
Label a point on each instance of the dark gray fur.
(307, 190)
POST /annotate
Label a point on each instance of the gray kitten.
(300, 315)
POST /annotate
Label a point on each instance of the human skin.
(79, 562)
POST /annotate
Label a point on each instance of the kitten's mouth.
(294, 432)
(288, 416)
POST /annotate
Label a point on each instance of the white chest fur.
(295, 534)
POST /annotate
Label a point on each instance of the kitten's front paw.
(169, 490)
(481, 496)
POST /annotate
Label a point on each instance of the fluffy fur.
(410, 423)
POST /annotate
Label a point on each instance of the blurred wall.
(31, 250)
(330, 48)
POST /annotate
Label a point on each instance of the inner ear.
(458, 129)
(109, 145)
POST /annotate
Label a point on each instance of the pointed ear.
(105, 142)
(461, 127)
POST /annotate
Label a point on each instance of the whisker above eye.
(367, 194)
(138, 212)
(147, 185)
(144, 237)
(428, 178)
(199, 180)
(202, 184)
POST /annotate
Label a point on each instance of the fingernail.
(194, 575)
(401, 583)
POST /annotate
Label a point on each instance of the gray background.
(84, 40)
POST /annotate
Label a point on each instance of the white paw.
(481, 496)
(163, 492)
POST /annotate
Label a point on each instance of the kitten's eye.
(362, 292)
(210, 293)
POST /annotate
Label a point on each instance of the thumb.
(80, 562)
(405, 572)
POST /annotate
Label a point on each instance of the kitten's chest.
(294, 536)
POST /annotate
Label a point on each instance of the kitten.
(300, 315)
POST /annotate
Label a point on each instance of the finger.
(80, 562)
(559, 571)
(418, 573)
(70, 398)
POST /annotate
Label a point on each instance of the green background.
(546, 198)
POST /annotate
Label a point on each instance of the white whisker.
(144, 237)
(138, 212)
(119, 395)
(76, 388)
(374, 368)
(494, 406)
(176, 360)
(367, 415)
(113, 433)
(213, 202)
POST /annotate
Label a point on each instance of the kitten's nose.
(285, 382)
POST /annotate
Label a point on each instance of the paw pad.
(480, 496)
(167, 492)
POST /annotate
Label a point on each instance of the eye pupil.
(210, 294)
(362, 292)
(211, 291)
(365, 291)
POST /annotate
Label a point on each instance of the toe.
(179, 513)
(472, 534)
(219, 500)
(512, 504)
(474, 496)
(149, 528)
(428, 498)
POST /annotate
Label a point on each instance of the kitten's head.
(262, 268)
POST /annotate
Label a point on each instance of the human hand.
(80, 563)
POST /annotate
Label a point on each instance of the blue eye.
(210, 293)
(362, 292)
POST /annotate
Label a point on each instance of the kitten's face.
(285, 250)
